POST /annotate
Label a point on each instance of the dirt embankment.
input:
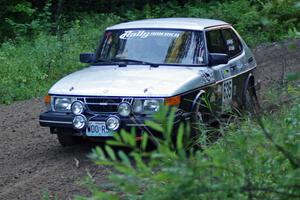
(32, 161)
(275, 61)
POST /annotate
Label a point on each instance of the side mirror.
(217, 59)
(87, 57)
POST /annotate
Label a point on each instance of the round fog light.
(79, 121)
(124, 109)
(113, 123)
(77, 107)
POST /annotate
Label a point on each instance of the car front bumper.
(56, 120)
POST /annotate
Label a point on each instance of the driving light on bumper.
(113, 123)
(124, 109)
(79, 122)
(77, 107)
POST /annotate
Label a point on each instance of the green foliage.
(293, 33)
(29, 68)
(276, 95)
(252, 160)
(294, 76)
(47, 44)
(256, 21)
(28, 21)
(48, 196)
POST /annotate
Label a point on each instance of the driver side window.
(233, 44)
(215, 42)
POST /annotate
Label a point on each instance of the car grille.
(103, 104)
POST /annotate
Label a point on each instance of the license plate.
(98, 129)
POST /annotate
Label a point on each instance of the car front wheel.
(199, 121)
(251, 103)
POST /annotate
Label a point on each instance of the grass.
(255, 159)
(29, 67)
(30, 64)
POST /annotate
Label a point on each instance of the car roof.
(172, 23)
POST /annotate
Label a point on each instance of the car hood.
(133, 80)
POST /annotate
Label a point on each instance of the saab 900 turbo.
(140, 66)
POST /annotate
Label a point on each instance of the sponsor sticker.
(229, 42)
(231, 48)
(227, 95)
(146, 34)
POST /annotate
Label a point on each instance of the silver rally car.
(143, 65)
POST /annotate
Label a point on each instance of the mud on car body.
(142, 65)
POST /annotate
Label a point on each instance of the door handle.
(250, 60)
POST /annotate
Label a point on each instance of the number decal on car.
(226, 95)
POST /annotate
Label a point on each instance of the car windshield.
(153, 46)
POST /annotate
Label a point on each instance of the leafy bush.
(44, 49)
(253, 161)
(257, 21)
(29, 68)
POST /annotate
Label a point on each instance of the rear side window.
(233, 44)
(215, 43)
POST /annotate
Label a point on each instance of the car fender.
(249, 80)
(198, 96)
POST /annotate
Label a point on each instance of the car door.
(235, 52)
(222, 40)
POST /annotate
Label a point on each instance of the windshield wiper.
(134, 61)
(105, 61)
(117, 61)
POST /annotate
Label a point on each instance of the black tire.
(204, 125)
(68, 140)
(251, 103)
(196, 120)
(199, 122)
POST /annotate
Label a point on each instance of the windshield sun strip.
(122, 31)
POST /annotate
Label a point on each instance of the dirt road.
(32, 162)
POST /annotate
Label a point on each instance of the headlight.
(124, 109)
(146, 106)
(77, 107)
(63, 103)
(79, 122)
(151, 105)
